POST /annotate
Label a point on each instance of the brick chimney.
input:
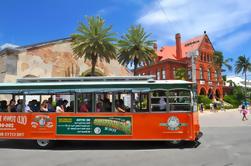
(178, 46)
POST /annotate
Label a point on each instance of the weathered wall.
(57, 60)
(8, 68)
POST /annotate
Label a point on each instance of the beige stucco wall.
(54, 60)
(8, 68)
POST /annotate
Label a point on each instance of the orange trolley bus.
(98, 108)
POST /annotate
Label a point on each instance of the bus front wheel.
(44, 143)
(175, 142)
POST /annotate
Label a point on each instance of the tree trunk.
(135, 66)
(245, 86)
(94, 61)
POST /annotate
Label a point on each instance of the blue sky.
(228, 23)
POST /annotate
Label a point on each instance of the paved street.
(226, 141)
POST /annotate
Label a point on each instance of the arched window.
(201, 73)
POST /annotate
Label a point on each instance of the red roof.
(169, 52)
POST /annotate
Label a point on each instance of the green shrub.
(205, 100)
(229, 106)
(232, 100)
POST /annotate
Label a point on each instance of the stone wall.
(8, 68)
(57, 60)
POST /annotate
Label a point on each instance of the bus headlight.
(173, 123)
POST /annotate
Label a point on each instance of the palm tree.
(94, 42)
(219, 61)
(243, 65)
(180, 73)
(135, 48)
(231, 83)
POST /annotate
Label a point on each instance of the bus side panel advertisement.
(12, 125)
(94, 126)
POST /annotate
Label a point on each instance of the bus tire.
(44, 143)
(175, 143)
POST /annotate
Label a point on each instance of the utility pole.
(193, 54)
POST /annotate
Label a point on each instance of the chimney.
(155, 46)
(178, 46)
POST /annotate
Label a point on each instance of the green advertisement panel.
(94, 125)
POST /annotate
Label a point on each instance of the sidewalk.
(228, 118)
(207, 111)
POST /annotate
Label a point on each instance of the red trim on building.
(171, 58)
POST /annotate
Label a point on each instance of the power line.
(165, 13)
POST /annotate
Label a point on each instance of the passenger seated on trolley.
(50, 105)
(11, 107)
(99, 107)
(27, 108)
(119, 107)
(84, 107)
(162, 104)
(107, 105)
(3, 106)
(19, 105)
(70, 108)
(44, 106)
(61, 106)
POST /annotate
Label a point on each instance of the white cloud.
(219, 18)
(232, 41)
(7, 45)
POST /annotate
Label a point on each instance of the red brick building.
(175, 62)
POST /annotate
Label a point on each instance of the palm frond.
(94, 41)
(135, 47)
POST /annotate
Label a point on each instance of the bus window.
(122, 102)
(103, 102)
(11, 103)
(49, 103)
(84, 102)
(7, 103)
(32, 103)
(3, 105)
(179, 100)
(14, 104)
(64, 103)
(140, 102)
(158, 100)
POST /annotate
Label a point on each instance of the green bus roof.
(73, 85)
